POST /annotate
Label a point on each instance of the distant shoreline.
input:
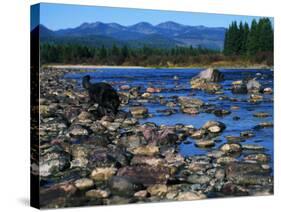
(150, 67)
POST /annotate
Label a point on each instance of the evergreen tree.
(253, 39)
(265, 39)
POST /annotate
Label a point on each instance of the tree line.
(254, 42)
(124, 55)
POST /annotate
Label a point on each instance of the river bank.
(222, 66)
(138, 155)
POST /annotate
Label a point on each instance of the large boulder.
(210, 75)
(253, 86)
(207, 80)
(246, 86)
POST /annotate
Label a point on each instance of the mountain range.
(164, 35)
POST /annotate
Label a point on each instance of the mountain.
(167, 34)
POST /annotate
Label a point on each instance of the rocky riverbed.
(129, 158)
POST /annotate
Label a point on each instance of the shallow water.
(164, 78)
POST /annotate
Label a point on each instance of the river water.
(164, 78)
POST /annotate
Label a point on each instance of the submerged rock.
(205, 143)
(261, 114)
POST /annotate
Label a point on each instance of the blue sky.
(60, 16)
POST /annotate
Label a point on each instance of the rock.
(125, 87)
(56, 191)
(268, 90)
(131, 141)
(205, 143)
(221, 112)
(236, 118)
(111, 126)
(263, 125)
(85, 117)
(78, 130)
(157, 190)
(255, 98)
(190, 111)
(206, 80)
(220, 174)
(146, 175)
(97, 140)
(233, 138)
(204, 85)
(123, 186)
(247, 134)
(216, 153)
(145, 150)
(97, 193)
(190, 195)
(198, 179)
(83, 183)
(139, 111)
(129, 122)
(231, 148)
(167, 112)
(214, 126)
(187, 102)
(254, 147)
(211, 75)
(141, 194)
(248, 174)
(239, 87)
(261, 114)
(253, 86)
(164, 136)
(176, 77)
(147, 160)
(53, 162)
(103, 174)
(263, 158)
(199, 166)
(198, 134)
(226, 160)
(153, 90)
(246, 86)
(146, 95)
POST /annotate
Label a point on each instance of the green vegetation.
(244, 45)
(146, 56)
(254, 43)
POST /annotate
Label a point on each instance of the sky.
(61, 16)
